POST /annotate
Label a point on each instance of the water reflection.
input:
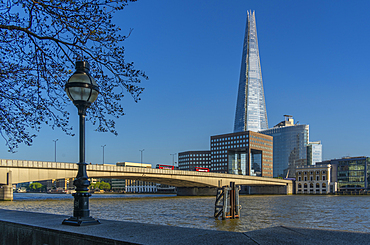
(329, 212)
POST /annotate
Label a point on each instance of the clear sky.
(315, 66)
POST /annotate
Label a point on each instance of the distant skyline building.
(188, 160)
(251, 114)
(314, 152)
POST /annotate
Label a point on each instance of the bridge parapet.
(37, 164)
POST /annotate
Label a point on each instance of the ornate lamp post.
(82, 89)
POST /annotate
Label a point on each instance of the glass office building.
(352, 173)
(251, 108)
(290, 146)
(242, 153)
(314, 153)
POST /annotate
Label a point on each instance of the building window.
(323, 177)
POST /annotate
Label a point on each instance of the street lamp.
(103, 152)
(55, 150)
(82, 89)
(141, 158)
(173, 159)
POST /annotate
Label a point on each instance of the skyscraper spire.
(251, 107)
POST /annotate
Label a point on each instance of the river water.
(350, 213)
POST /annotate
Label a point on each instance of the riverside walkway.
(19, 228)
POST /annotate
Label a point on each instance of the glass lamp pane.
(94, 96)
(79, 78)
(78, 93)
(85, 94)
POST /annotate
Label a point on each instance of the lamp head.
(81, 87)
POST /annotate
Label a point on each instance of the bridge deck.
(26, 171)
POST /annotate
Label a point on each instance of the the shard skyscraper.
(251, 107)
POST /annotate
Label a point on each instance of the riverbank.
(19, 227)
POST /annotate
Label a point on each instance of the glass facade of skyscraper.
(251, 108)
(314, 153)
(290, 147)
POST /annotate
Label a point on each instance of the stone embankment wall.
(18, 234)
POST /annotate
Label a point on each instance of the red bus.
(199, 169)
(161, 166)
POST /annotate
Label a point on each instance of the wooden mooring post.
(227, 202)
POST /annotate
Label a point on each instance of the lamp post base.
(80, 221)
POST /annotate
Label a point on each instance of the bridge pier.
(6, 191)
(196, 191)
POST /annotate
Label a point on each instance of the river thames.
(348, 213)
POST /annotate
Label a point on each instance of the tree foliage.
(100, 185)
(36, 186)
(40, 40)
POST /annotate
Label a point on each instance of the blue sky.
(315, 66)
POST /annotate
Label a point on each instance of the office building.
(133, 186)
(315, 179)
(290, 146)
(351, 173)
(314, 152)
(138, 186)
(118, 185)
(243, 153)
(251, 108)
(188, 160)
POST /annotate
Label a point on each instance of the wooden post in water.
(224, 207)
(232, 200)
(228, 208)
